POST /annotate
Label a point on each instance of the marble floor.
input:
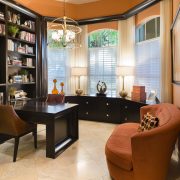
(84, 160)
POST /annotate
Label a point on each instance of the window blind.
(57, 69)
(147, 70)
(102, 65)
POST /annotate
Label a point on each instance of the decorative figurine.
(101, 88)
(54, 91)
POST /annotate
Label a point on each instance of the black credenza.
(107, 109)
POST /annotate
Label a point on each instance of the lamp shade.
(79, 71)
(125, 70)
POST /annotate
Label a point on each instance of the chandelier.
(65, 30)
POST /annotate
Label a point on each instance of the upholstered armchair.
(55, 98)
(14, 127)
(133, 155)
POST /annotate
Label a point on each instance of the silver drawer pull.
(126, 119)
(107, 115)
(87, 102)
(107, 104)
(125, 107)
(87, 113)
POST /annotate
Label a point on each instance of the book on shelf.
(11, 46)
(1, 97)
(27, 62)
(1, 15)
(2, 29)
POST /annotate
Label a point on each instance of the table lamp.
(124, 71)
(79, 71)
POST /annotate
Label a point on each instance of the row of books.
(2, 29)
(23, 35)
(12, 46)
(20, 62)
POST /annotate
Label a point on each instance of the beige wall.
(176, 88)
(110, 25)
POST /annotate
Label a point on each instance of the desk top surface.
(42, 107)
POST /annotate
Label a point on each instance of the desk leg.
(61, 132)
(50, 144)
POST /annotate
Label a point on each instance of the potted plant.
(13, 30)
(24, 74)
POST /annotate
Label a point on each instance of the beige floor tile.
(84, 160)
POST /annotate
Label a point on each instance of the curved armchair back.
(10, 123)
(152, 150)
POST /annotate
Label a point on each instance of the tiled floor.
(84, 160)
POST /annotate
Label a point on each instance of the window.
(102, 59)
(148, 56)
(57, 64)
(149, 30)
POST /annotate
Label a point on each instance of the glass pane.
(103, 38)
(150, 29)
(57, 60)
(158, 27)
(142, 33)
(148, 71)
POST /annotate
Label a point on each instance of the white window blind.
(148, 65)
(102, 65)
(57, 68)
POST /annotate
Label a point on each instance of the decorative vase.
(123, 93)
(54, 91)
(79, 92)
(62, 91)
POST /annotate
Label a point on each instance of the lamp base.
(79, 92)
(123, 93)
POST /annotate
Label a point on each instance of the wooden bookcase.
(18, 53)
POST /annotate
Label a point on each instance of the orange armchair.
(15, 127)
(133, 155)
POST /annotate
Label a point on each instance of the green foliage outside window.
(103, 38)
(52, 43)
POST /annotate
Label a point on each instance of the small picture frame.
(152, 98)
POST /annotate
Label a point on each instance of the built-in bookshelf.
(18, 51)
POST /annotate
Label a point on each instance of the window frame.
(103, 47)
(144, 23)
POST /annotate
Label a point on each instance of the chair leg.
(35, 137)
(16, 148)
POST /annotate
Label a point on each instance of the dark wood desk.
(61, 122)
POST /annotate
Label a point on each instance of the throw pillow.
(148, 122)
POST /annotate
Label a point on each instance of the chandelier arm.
(64, 7)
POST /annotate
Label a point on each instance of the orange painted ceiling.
(83, 9)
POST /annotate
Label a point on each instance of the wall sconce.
(124, 71)
(79, 71)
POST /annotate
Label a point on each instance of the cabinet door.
(131, 111)
(71, 99)
(88, 108)
(113, 112)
